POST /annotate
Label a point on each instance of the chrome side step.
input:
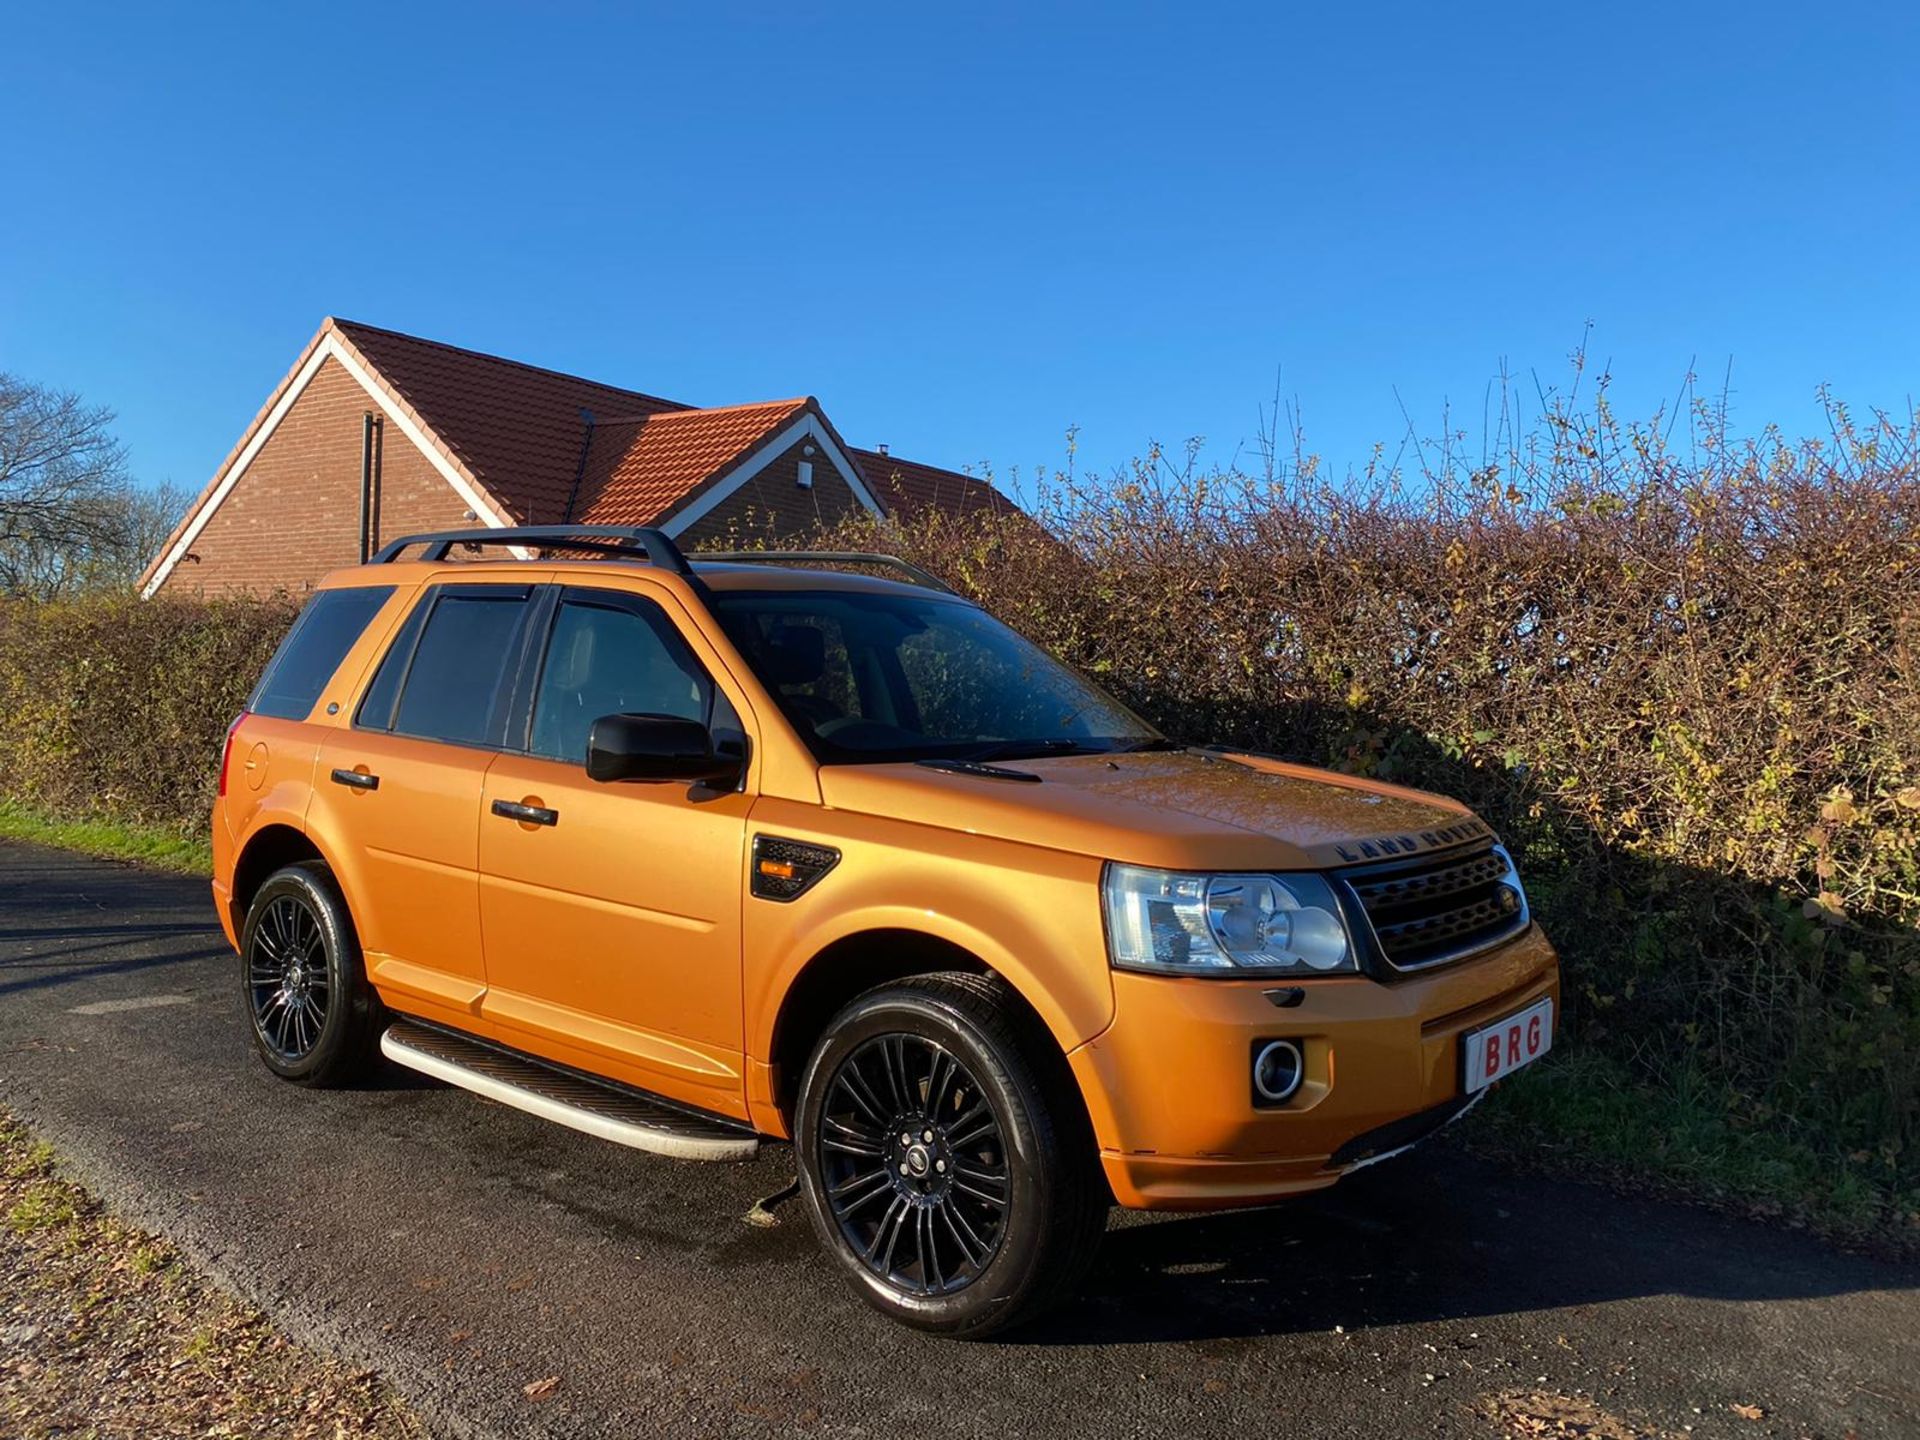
(622, 1116)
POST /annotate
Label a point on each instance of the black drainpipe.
(379, 483)
(365, 486)
(370, 438)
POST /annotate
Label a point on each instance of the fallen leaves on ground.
(106, 1332)
(1549, 1415)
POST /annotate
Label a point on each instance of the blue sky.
(967, 234)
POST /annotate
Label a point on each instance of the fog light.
(1278, 1071)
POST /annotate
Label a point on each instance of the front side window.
(611, 659)
(448, 682)
(870, 677)
(313, 650)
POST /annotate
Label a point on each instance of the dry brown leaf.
(541, 1389)
(1748, 1412)
(1840, 809)
(1546, 1412)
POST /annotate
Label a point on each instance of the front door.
(611, 918)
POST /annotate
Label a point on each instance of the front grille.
(1427, 912)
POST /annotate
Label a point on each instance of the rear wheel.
(947, 1172)
(313, 1016)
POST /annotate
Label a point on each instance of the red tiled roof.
(517, 429)
(543, 446)
(905, 487)
(639, 468)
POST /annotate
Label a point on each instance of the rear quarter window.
(319, 640)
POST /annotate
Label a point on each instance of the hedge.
(117, 708)
(1684, 690)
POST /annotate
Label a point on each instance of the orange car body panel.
(1374, 1053)
(624, 941)
(628, 947)
(269, 783)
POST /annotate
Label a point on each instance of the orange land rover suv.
(693, 854)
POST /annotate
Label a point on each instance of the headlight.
(1178, 924)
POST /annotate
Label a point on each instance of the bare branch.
(68, 509)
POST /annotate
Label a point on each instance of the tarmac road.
(466, 1250)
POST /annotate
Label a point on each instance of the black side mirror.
(656, 747)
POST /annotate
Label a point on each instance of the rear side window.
(450, 688)
(313, 650)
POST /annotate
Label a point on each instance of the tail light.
(226, 751)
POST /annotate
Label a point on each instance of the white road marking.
(133, 1002)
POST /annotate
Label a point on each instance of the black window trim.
(518, 736)
(406, 633)
(499, 707)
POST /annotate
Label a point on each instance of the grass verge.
(105, 1332)
(155, 845)
(1582, 1115)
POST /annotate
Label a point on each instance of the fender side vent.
(786, 869)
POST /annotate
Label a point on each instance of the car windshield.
(876, 677)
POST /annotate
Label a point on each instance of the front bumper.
(1168, 1084)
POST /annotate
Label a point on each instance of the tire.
(313, 1017)
(955, 1057)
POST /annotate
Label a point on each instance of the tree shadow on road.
(138, 921)
(66, 967)
(1436, 1235)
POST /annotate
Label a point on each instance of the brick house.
(374, 434)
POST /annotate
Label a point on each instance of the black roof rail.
(629, 540)
(830, 557)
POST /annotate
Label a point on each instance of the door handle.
(356, 779)
(525, 814)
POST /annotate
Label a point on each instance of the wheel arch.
(269, 848)
(856, 963)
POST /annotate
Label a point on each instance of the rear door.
(271, 753)
(612, 927)
(398, 791)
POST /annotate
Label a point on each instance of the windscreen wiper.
(1031, 750)
(985, 772)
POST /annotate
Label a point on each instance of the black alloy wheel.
(914, 1164)
(313, 1016)
(287, 979)
(945, 1155)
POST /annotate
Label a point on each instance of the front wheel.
(313, 1015)
(951, 1176)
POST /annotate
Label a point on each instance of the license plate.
(1497, 1050)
